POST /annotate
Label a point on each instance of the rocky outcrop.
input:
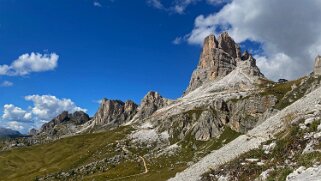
(151, 103)
(114, 113)
(219, 58)
(245, 113)
(76, 118)
(264, 132)
(208, 120)
(228, 45)
(317, 65)
(63, 125)
(33, 132)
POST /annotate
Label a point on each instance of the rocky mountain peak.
(219, 58)
(317, 65)
(228, 45)
(76, 118)
(151, 102)
(245, 55)
(114, 112)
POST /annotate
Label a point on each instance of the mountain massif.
(9, 133)
(231, 123)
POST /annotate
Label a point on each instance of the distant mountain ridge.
(5, 132)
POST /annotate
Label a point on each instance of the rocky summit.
(232, 123)
(113, 113)
(219, 57)
(317, 65)
(151, 102)
(63, 125)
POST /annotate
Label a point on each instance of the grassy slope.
(27, 163)
(165, 167)
(72, 152)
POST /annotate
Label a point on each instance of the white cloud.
(28, 63)
(4, 69)
(289, 31)
(13, 113)
(97, 4)
(6, 84)
(44, 108)
(14, 125)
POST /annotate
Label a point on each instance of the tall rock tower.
(317, 65)
(219, 57)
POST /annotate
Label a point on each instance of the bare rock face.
(33, 132)
(151, 103)
(228, 45)
(208, 120)
(244, 114)
(219, 58)
(62, 125)
(317, 65)
(248, 64)
(114, 112)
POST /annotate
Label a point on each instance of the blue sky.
(121, 49)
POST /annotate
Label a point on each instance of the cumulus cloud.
(46, 106)
(289, 31)
(6, 84)
(14, 125)
(43, 109)
(28, 63)
(13, 113)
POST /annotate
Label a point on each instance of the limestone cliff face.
(149, 104)
(219, 58)
(208, 120)
(317, 65)
(114, 112)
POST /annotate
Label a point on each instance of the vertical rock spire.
(218, 58)
(317, 65)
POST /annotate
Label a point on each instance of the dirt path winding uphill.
(145, 165)
(252, 139)
(135, 175)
